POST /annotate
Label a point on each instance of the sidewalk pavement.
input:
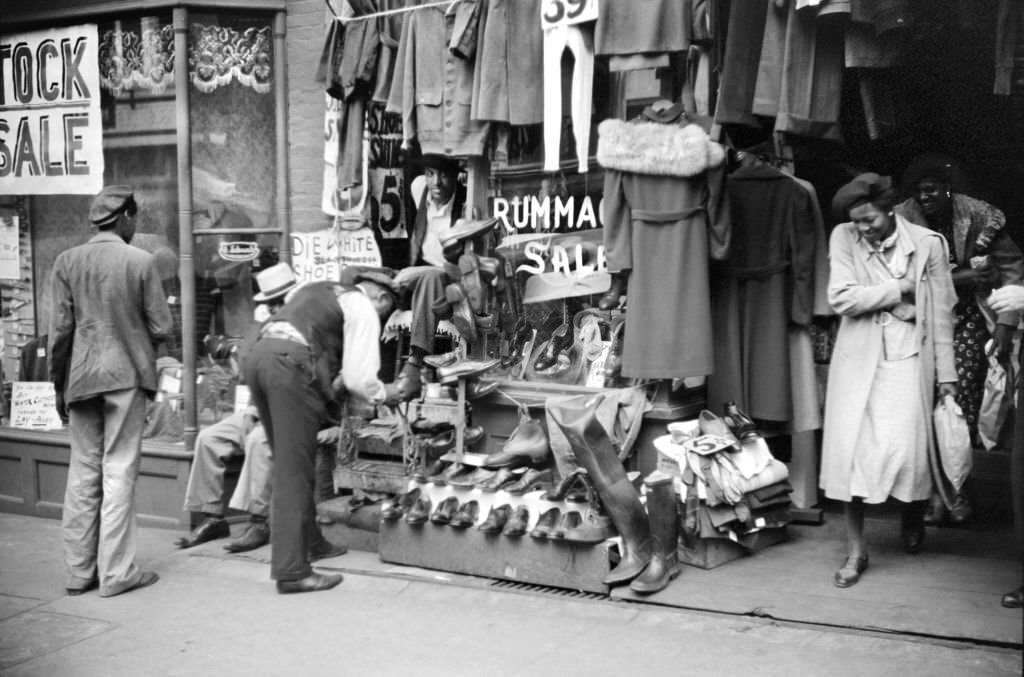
(214, 613)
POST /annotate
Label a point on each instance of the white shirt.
(439, 222)
(360, 360)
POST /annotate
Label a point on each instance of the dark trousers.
(283, 386)
(1017, 471)
(427, 284)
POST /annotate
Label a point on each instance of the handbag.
(954, 441)
(995, 403)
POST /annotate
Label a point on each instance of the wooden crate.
(708, 553)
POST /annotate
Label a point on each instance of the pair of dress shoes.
(400, 505)
(451, 513)
(444, 441)
(560, 342)
(503, 519)
(573, 527)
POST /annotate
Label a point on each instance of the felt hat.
(382, 276)
(110, 202)
(442, 163)
(274, 282)
(863, 188)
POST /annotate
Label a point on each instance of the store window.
(233, 176)
(552, 246)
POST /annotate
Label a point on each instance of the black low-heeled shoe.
(560, 341)
(1014, 599)
(849, 573)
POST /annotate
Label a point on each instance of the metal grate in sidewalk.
(533, 588)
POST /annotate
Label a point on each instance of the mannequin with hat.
(109, 311)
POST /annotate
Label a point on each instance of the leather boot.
(612, 297)
(445, 511)
(661, 511)
(527, 445)
(516, 525)
(598, 455)
(546, 523)
(496, 520)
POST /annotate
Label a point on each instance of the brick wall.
(307, 27)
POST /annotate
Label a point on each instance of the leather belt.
(654, 216)
(284, 331)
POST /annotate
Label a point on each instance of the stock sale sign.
(51, 132)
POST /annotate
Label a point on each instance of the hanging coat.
(854, 295)
(509, 76)
(765, 288)
(664, 215)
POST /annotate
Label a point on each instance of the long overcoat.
(856, 296)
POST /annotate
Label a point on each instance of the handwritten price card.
(34, 405)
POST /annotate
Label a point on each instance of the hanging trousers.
(579, 41)
(98, 522)
(283, 385)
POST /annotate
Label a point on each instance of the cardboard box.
(708, 553)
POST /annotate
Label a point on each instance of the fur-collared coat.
(858, 298)
(664, 215)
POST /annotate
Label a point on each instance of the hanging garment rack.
(391, 12)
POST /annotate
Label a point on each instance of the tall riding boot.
(661, 511)
(598, 455)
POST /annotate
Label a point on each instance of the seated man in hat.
(240, 433)
(435, 265)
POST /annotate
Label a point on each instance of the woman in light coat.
(890, 281)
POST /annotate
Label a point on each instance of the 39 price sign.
(555, 13)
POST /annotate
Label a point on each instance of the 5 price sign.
(555, 13)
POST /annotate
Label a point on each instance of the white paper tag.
(555, 13)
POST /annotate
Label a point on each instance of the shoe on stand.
(739, 423)
(466, 515)
(502, 478)
(445, 511)
(532, 479)
(517, 523)
(613, 363)
(546, 523)
(419, 513)
(400, 505)
(407, 386)
(561, 340)
(462, 314)
(527, 445)
(496, 520)
(571, 519)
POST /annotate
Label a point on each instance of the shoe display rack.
(468, 550)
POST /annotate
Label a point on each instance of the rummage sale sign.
(51, 133)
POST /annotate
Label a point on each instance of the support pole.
(281, 135)
(186, 264)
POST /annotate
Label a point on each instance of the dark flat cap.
(111, 201)
(864, 188)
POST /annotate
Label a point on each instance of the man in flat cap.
(323, 345)
(109, 311)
